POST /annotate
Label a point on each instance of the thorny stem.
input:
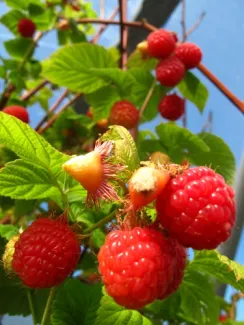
(123, 33)
(31, 305)
(53, 119)
(53, 108)
(101, 222)
(47, 311)
(183, 20)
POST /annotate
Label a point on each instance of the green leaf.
(198, 302)
(180, 142)
(98, 238)
(136, 61)
(11, 19)
(220, 157)
(27, 144)
(192, 89)
(102, 101)
(77, 67)
(124, 146)
(2, 72)
(76, 303)
(18, 47)
(110, 313)
(25, 180)
(23, 207)
(43, 17)
(219, 267)
(21, 4)
(7, 231)
(144, 82)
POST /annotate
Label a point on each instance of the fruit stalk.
(100, 222)
(47, 311)
(31, 305)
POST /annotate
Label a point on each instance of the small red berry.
(125, 114)
(138, 266)
(18, 112)
(170, 71)
(223, 318)
(161, 44)
(172, 107)
(189, 54)
(197, 208)
(46, 253)
(26, 27)
(145, 185)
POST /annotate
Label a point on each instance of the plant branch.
(53, 119)
(28, 94)
(52, 109)
(104, 26)
(31, 305)
(196, 25)
(47, 311)
(100, 223)
(183, 20)
(123, 33)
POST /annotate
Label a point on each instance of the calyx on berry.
(9, 254)
(93, 171)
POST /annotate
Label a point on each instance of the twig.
(103, 26)
(52, 109)
(33, 91)
(196, 25)
(208, 123)
(53, 119)
(184, 118)
(183, 20)
(100, 223)
(123, 33)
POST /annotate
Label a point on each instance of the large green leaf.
(44, 18)
(110, 313)
(136, 61)
(144, 82)
(220, 157)
(25, 180)
(11, 19)
(124, 146)
(28, 145)
(192, 89)
(76, 303)
(21, 4)
(198, 302)
(180, 142)
(219, 267)
(18, 47)
(77, 67)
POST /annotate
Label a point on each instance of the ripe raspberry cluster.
(195, 208)
(174, 57)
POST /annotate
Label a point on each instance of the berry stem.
(100, 222)
(47, 311)
(31, 305)
(148, 97)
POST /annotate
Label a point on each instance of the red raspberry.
(223, 318)
(197, 208)
(46, 253)
(190, 54)
(125, 114)
(17, 111)
(172, 107)
(26, 27)
(161, 44)
(170, 71)
(138, 266)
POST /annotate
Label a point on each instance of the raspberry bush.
(103, 221)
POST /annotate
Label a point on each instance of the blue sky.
(220, 37)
